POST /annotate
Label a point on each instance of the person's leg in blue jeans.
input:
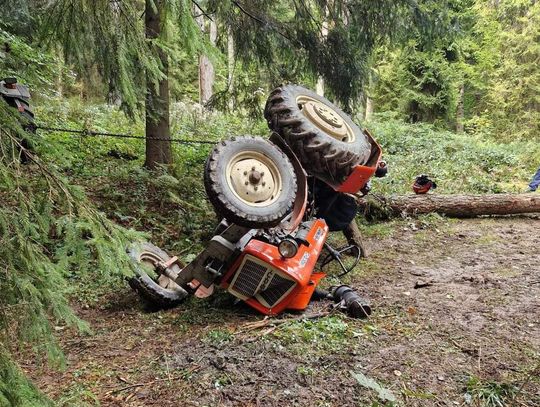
(535, 183)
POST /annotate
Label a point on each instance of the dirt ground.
(456, 322)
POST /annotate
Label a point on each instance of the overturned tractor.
(278, 199)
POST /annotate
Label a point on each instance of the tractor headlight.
(288, 247)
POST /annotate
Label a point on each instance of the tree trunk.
(319, 87)
(459, 206)
(324, 34)
(369, 109)
(460, 110)
(354, 237)
(230, 65)
(60, 73)
(206, 68)
(368, 112)
(157, 97)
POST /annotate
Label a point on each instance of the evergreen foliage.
(493, 54)
(48, 231)
(286, 37)
(110, 37)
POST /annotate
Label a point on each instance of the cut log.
(459, 206)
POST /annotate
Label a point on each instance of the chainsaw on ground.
(278, 199)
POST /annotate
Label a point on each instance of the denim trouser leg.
(535, 183)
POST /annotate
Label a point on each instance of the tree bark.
(459, 206)
(460, 109)
(157, 97)
(324, 34)
(230, 65)
(369, 109)
(368, 112)
(206, 68)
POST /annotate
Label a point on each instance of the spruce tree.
(131, 43)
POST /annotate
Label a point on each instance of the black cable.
(92, 133)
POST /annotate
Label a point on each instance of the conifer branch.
(263, 22)
(203, 12)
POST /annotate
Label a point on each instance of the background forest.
(448, 87)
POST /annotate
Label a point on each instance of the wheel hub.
(326, 119)
(151, 260)
(254, 179)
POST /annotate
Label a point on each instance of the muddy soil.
(457, 311)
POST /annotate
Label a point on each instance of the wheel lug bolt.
(262, 173)
(247, 183)
(245, 172)
(255, 188)
(263, 184)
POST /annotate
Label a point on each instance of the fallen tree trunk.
(459, 206)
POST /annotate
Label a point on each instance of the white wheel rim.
(326, 118)
(254, 178)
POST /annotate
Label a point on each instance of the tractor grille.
(277, 288)
(248, 279)
(256, 278)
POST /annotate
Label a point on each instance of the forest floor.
(456, 322)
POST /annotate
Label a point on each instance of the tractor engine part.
(319, 295)
(337, 209)
(352, 303)
(271, 283)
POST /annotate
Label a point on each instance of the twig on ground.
(534, 372)
(250, 326)
(167, 379)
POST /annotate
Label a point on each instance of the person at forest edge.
(535, 183)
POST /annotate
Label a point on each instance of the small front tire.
(158, 291)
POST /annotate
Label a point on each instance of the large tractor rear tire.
(325, 139)
(250, 182)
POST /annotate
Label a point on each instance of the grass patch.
(489, 393)
(78, 395)
(218, 337)
(328, 334)
(377, 230)
(488, 239)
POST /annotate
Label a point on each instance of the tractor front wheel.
(157, 290)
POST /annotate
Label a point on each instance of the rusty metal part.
(326, 119)
(219, 249)
(300, 202)
(168, 270)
